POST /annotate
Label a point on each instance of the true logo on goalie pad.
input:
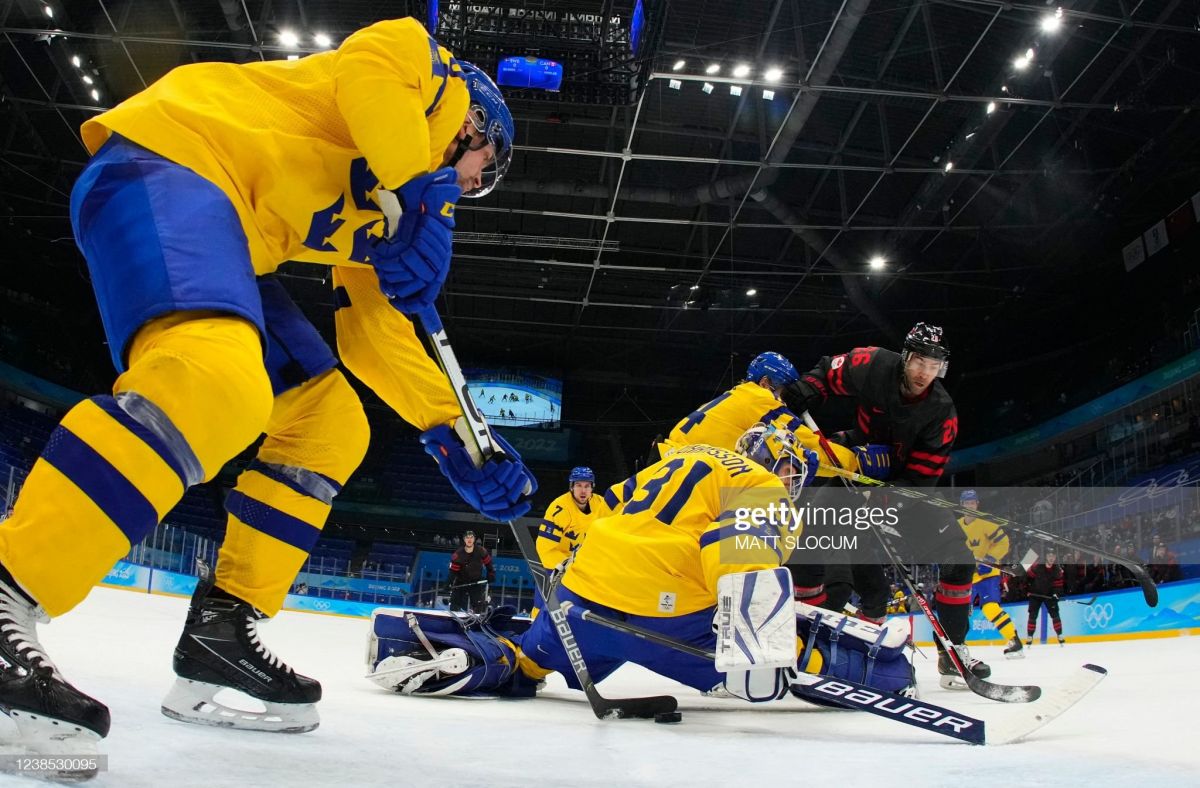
(666, 602)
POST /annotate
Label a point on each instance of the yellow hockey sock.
(1000, 620)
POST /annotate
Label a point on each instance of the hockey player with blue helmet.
(568, 517)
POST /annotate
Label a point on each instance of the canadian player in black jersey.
(905, 425)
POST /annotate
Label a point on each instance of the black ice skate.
(949, 677)
(52, 717)
(219, 649)
(1015, 649)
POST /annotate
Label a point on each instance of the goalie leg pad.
(853, 649)
(439, 653)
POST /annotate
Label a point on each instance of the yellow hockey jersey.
(564, 527)
(898, 603)
(682, 525)
(723, 420)
(299, 146)
(988, 543)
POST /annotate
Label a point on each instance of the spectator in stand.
(1074, 573)
(1164, 565)
(1045, 587)
(468, 587)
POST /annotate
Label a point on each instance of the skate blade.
(1016, 655)
(192, 701)
(72, 747)
(954, 682)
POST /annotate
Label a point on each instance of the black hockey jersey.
(920, 432)
(1045, 580)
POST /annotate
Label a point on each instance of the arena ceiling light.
(773, 74)
(1052, 23)
(991, 107)
(96, 95)
(674, 84)
(76, 62)
(708, 88)
(1021, 63)
(741, 70)
(679, 64)
(877, 262)
(289, 38)
(768, 95)
(735, 90)
(949, 166)
(713, 68)
(322, 40)
(87, 80)
(48, 11)
(751, 292)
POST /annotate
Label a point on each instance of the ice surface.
(1137, 728)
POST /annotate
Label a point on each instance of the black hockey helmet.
(926, 340)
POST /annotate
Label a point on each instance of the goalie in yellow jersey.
(656, 562)
(199, 188)
(989, 544)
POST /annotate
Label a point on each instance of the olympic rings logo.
(1098, 616)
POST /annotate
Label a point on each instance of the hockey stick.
(927, 716)
(644, 708)
(1067, 599)
(1005, 693)
(1149, 590)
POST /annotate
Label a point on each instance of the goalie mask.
(775, 449)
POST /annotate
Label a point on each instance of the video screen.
(516, 397)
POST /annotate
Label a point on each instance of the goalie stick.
(1149, 590)
(641, 708)
(1017, 725)
(1005, 693)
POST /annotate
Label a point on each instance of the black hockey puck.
(668, 716)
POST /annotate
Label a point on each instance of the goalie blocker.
(439, 653)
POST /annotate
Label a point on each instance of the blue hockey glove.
(874, 460)
(413, 258)
(811, 461)
(499, 490)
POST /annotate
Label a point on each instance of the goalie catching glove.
(498, 488)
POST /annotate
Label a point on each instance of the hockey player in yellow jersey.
(721, 421)
(899, 601)
(989, 544)
(691, 520)
(568, 517)
(199, 188)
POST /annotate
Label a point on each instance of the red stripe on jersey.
(864, 421)
(934, 459)
(817, 384)
(924, 470)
